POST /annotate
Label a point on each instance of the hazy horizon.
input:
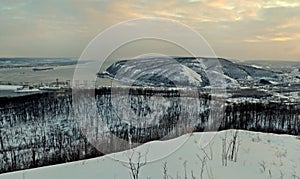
(255, 30)
(128, 58)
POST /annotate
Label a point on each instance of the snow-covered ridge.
(149, 71)
(259, 156)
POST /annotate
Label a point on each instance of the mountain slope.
(182, 71)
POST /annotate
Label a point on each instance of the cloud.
(275, 37)
(234, 28)
(280, 3)
(189, 12)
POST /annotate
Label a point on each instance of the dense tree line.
(274, 117)
(38, 130)
(42, 129)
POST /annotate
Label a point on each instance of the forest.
(50, 128)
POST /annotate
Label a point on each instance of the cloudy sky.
(235, 29)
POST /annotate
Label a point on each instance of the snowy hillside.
(257, 155)
(205, 73)
(184, 71)
(154, 72)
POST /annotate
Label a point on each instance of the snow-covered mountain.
(183, 71)
(155, 72)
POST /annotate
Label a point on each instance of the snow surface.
(260, 155)
(9, 87)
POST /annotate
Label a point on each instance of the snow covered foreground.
(259, 155)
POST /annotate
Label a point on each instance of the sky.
(235, 29)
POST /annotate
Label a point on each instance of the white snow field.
(259, 155)
(9, 87)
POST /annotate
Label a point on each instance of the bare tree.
(230, 149)
(184, 166)
(281, 175)
(203, 160)
(210, 155)
(262, 166)
(224, 151)
(235, 146)
(165, 170)
(135, 166)
(203, 164)
(192, 175)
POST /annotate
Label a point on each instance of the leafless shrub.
(210, 155)
(262, 166)
(224, 150)
(257, 139)
(281, 175)
(135, 166)
(270, 174)
(184, 166)
(230, 148)
(192, 175)
(295, 176)
(202, 165)
(203, 160)
(165, 170)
